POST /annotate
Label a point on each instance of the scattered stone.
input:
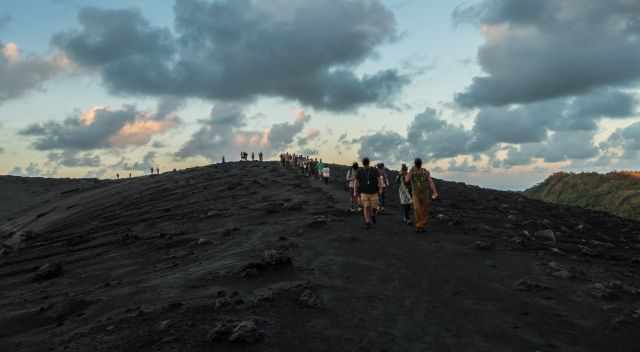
(530, 285)
(274, 257)
(246, 332)
(442, 217)
(204, 241)
(318, 221)
(236, 331)
(562, 274)
(222, 303)
(295, 205)
(48, 271)
(309, 299)
(485, 245)
(545, 235)
(163, 325)
(603, 291)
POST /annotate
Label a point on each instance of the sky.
(497, 93)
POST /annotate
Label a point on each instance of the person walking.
(423, 191)
(326, 172)
(385, 185)
(260, 156)
(351, 184)
(368, 185)
(404, 193)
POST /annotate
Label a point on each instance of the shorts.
(369, 200)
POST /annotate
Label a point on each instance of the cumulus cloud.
(99, 128)
(303, 50)
(311, 135)
(624, 142)
(551, 131)
(32, 170)
(73, 159)
(21, 74)
(530, 52)
(222, 134)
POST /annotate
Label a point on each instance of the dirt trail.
(253, 257)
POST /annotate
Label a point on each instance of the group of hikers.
(367, 186)
(244, 156)
(308, 166)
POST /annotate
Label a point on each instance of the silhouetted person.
(223, 161)
(368, 186)
(404, 193)
(158, 171)
(260, 156)
(151, 173)
(385, 184)
(129, 175)
(351, 184)
(253, 156)
(423, 191)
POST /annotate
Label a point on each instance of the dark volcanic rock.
(309, 299)
(48, 271)
(527, 284)
(245, 331)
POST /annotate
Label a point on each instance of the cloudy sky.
(499, 93)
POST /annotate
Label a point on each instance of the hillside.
(253, 257)
(617, 192)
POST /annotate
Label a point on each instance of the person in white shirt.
(325, 174)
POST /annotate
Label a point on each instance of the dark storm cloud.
(237, 50)
(389, 147)
(74, 134)
(531, 51)
(100, 128)
(560, 146)
(433, 138)
(552, 131)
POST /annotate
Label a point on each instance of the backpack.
(368, 180)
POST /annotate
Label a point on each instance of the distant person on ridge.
(404, 193)
(260, 156)
(151, 173)
(326, 172)
(351, 184)
(158, 170)
(223, 161)
(253, 156)
(423, 191)
(368, 185)
(319, 168)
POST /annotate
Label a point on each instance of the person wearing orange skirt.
(423, 191)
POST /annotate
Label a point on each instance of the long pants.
(406, 212)
(421, 205)
(381, 198)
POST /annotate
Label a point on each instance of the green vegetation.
(616, 192)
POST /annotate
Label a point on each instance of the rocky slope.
(617, 192)
(253, 257)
